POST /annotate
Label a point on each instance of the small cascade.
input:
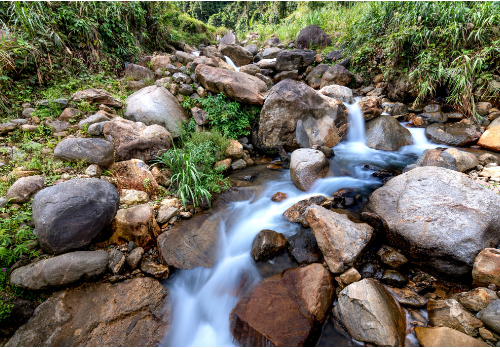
(356, 123)
(196, 53)
(230, 62)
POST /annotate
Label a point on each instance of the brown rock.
(350, 276)
(267, 244)
(407, 297)
(200, 116)
(69, 113)
(477, 299)
(137, 224)
(445, 337)
(234, 149)
(154, 269)
(279, 197)
(486, 269)
(134, 174)
(370, 108)
(451, 314)
(239, 55)
(242, 87)
(225, 164)
(336, 75)
(339, 239)
(296, 213)
(25, 188)
(490, 139)
(307, 166)
(129, 313)
(285, 309)
(160, 62)
(96, 96)
(391, 257)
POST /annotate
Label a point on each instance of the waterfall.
(356, 132)
(230, 62)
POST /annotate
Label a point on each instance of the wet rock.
(135, 140)
(453, 134)
(350, 276)
(307, 166)
(370, 107)
(311, 118)
(391, 257)
(336, 75)
(491, 316)
(285, 309)
(116, 261)
(386, 133)
(314, 77)
(394, 278)
(370, 314)
(477, 299)
(408, 298)
(96, 96)
(25, 188)
(368, 270)
(464, 160)
(239, 55)
(304, 248)
(134, 258)
(288, 60)
(91, 150)
(445, 337)
(133, 197)
(279, 197)
(490, 139)
(154, 269)
(129, 313)
(267, 244)
(69, 215)
(486, 269)
(242, 87)
(296, 213)
(344, 94)
(451, 314)
(136, 224)
(433, 114)
(155, 105)
(61, 270)
(339, 239)
(313, 37)
(431, 210)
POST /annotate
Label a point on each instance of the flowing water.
(202, 298)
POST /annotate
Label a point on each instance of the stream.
(202, 298)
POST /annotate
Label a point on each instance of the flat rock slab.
(446, 337)
(130, 313)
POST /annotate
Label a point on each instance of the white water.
(203, 298)
(230, 62)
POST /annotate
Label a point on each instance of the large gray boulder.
(340, 239)
(386, 133)
(295, 115)
(288, 60)
(370, 314)
(129, 313)
(430, 211)
(239, 55)
(91, 150)
(336, 75)
(312, 37)
(342, 93)
(239, 86)
(307, 166)
(229, 39)
(71, 214)
(61, 270)
(156, 105)
(491, 316)
(453, 134)
(138, 72)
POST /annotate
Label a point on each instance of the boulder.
(267, 244)
(491, 316)
(251, 69)
(68, 114)
(336, 75)
(307, 166)
(25, 188)
(431, 210)
(184, 58)
(296, 115)
(71, 214)
(211, 52)
(165, 213)
(57, 125)
(133, 174)
(137, 224)
(156, 105)
(339, 239)
(314, 77)
(333, 55)
(437, 158)
(239, 55)
(370, 314)
(129, 313)
(137, 72)
(136, 140)
(271, 52)
(272, 42)
(477, 299)
(433, 114)
(453, 134)
(490, 139)
(242, 87)
(370, 107)
(253, 49)
(288, 60)
(452, 314)
(486, 269)
(160, 62)
(267, 64)
(133, 197)
(96, 96)
(91, 150)
(200, 116)
(229, 39)
(312, 37)
(293, 75)
(296, 213)
(344, 94)
(286, 309)
(386, 133)
(464, 160)
(61, 270)
(446, 337)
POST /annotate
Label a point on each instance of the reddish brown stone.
(279, 197)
